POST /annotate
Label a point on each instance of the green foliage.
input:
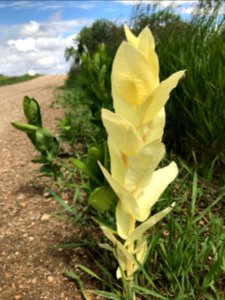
(95, 79)
(77, 125)
(101, 31)
(42, 139)
(69, 52)
(186, 252)
(6, 80)
(103, 199)
(100, 195)
(89, 90)
(196, 110)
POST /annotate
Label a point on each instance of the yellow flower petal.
(122, 221)
(124, 109)
(141, 167)
(131, 38)
(127, 199)
(118, 165)
(146, 47)
(122, 133)
(132, 77)
(153, 130)
(158, 98)
(141, 250)
(109, 234)
(146, 38)
(159, 181)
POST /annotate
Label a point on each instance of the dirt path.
(29, 268)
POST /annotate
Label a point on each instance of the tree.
(101, 31)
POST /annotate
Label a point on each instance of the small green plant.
(83, 100)
(95, 78)
(100, 195)
(42, 139)
(92, 199)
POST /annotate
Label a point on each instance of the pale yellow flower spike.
(135, 133)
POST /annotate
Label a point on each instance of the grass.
(186, 250)
(196, 109)
(79, 124)
(7, 80)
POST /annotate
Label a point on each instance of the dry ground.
(29, 268)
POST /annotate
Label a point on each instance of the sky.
(34, 33)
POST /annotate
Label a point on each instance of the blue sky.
(35, 33)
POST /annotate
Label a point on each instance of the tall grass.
(196, 110)
(186, 252)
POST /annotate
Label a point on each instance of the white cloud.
(188, 10)
(47, 61)
(48, 5)
(51, 6)
(38, 46)
(23, 45)
(85, 5)
(160, 3)
(18, 4)
(30, 28)
(133, 2)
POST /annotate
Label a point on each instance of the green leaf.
(40, 160)
(47, 170)
(88, 271)
(109, 223)
(32, 111)
(145, 291)
(194, 193)
(75, 277)
(43, 139)
(24, 127)
(106, 247)
(61, 201)
(84, 168)
(106, 295)
(94, 154)
(103, 199)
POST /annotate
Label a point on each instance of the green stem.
(132, 222)
(131, 293)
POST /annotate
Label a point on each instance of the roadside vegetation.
(186, 249)
(7, 80)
